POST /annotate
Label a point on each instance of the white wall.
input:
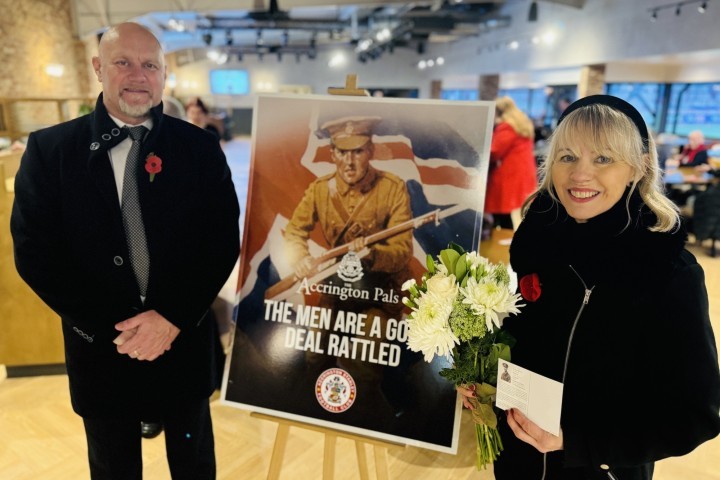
(397, 70)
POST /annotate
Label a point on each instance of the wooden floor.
(41, 438)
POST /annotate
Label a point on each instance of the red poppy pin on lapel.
(153, 165)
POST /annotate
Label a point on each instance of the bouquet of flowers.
(457, 312)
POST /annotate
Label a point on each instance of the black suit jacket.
(70, 248)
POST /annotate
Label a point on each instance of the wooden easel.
(331, 436)
(350, 88)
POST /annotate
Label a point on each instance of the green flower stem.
(488, 445)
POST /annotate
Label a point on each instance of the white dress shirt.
(118, 154)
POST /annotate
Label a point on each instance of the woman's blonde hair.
(609, 132)
(513, 116)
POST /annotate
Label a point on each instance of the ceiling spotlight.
(677, 10)
(228, 38)
(702, 7)
(653, 16)
(207, 38)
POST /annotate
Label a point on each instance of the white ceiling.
(232, 22)
(94, 15)
(302, 25)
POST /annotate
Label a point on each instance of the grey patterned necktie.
(131, 213)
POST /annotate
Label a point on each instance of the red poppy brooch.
(530, 287)
(153, 165)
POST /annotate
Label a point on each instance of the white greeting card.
(539, 398)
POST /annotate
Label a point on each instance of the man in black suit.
(138, 343)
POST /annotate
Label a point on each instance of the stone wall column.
(436, 89)
(488, 87)
(592, 80)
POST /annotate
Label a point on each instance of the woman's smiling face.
(588, 183)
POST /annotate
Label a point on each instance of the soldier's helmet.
(350, 133)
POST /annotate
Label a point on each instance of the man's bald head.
(131, 67)
(128, 28)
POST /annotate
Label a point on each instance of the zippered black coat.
(622, 320)
(70, 248)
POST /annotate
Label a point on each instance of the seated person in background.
(199, 115)
(695, 152)
(713, 164)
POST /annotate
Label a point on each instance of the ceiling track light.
(677, 6)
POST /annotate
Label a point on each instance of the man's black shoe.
(150, 430)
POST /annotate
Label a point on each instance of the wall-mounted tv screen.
(229, 82)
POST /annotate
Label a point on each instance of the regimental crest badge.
(350, 268)
(335, 390)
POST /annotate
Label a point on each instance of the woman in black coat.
(618, 312)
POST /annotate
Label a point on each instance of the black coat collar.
(602, 246)
(104, 135)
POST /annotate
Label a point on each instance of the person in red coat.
(512, 176)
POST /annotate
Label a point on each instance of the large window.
(459, 94)
(545, 104)
(532, 101)
(646, 97)
(676, 108)
(694, 106)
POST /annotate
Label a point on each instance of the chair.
(706, 220)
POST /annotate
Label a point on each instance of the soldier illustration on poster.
(347, 195)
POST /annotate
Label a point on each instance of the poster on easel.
(346, 197)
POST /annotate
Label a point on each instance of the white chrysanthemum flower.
(429, 329)
(490, 301)
(513, 286)
(408, 284)
(474, 261)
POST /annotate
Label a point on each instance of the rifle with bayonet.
(434, 216)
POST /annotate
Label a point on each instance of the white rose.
(443, 286)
